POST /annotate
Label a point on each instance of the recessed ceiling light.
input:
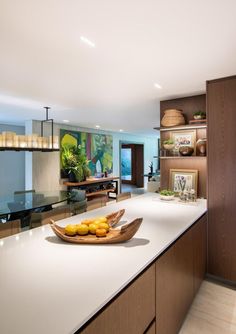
(156, 85)
(121, 130)
(97, 126)
(87, 41)
(66, 121)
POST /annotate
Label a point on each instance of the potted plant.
(199, 115)
(167, 195)
(75, 163)
(168, 144)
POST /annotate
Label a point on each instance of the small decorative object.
(172, 117)
(181, 180)
(167, 195)
(184, 138)
(151, 168)
(199, 115)
(201, 146)
(168, 144)
(186, 150)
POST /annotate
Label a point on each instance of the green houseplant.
(168, 144)
(199, 115)
(74, 163)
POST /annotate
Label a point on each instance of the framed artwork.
(97, 147)
(184, 138)
(183, 179)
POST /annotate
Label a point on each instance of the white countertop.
(52, 287)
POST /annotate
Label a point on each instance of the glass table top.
(15, 203)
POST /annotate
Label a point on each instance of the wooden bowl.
(186, 150)
(113, 236)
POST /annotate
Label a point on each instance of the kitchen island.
(49, 286)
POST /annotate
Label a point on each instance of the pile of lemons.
(97, 226)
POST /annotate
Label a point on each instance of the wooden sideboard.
(100, 184)
(158, 300)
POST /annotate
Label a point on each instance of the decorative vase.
(172, 117)
(72, 177)
(186, 150)
(201, 147)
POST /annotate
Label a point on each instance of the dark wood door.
(137, 164)
(221, 111)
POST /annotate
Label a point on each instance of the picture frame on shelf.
(184, 138)
(183, 179)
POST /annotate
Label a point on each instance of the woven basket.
(172, 117)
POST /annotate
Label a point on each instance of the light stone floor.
(212, 312)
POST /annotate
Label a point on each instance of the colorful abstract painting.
(97, 147)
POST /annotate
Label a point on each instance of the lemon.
(92, 228)
(101, 232)
(102, 219)
(96, 221)
(104, 225)
(82, 229)
(87, 221)
(70, 230)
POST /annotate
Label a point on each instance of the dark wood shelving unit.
(188, 105)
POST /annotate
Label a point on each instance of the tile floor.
(212, 312)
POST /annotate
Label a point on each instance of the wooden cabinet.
(179, 273)
(158, 300)
(221, 113)
(151, 329)
(199, 239)
(131, 312)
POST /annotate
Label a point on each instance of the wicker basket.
(172, 117)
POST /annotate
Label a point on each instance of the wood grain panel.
(189, 163)
(151, 329)
(131, 312)
(188, 105)
(174, 285)
(221, 106)
(199, 239)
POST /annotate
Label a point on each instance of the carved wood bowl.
(125, 233)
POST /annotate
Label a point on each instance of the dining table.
(20, 205)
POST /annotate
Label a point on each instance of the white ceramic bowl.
(167, 198)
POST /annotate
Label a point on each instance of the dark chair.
(78, 201)
(10, 228)
(43, 218)
(96, 203)
(123, 196)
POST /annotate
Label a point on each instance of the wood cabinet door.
(174, 285)
(199, 237)
(131, 312)
(221, 113)
(151, 329)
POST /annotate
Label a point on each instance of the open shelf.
(100, 192)
(182, 127)
(183, 157)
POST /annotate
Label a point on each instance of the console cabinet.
(158, 300)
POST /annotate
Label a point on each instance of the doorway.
(131, 166)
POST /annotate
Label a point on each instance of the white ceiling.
(178, 44)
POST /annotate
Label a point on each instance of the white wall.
(12, 165)
(46, 166)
